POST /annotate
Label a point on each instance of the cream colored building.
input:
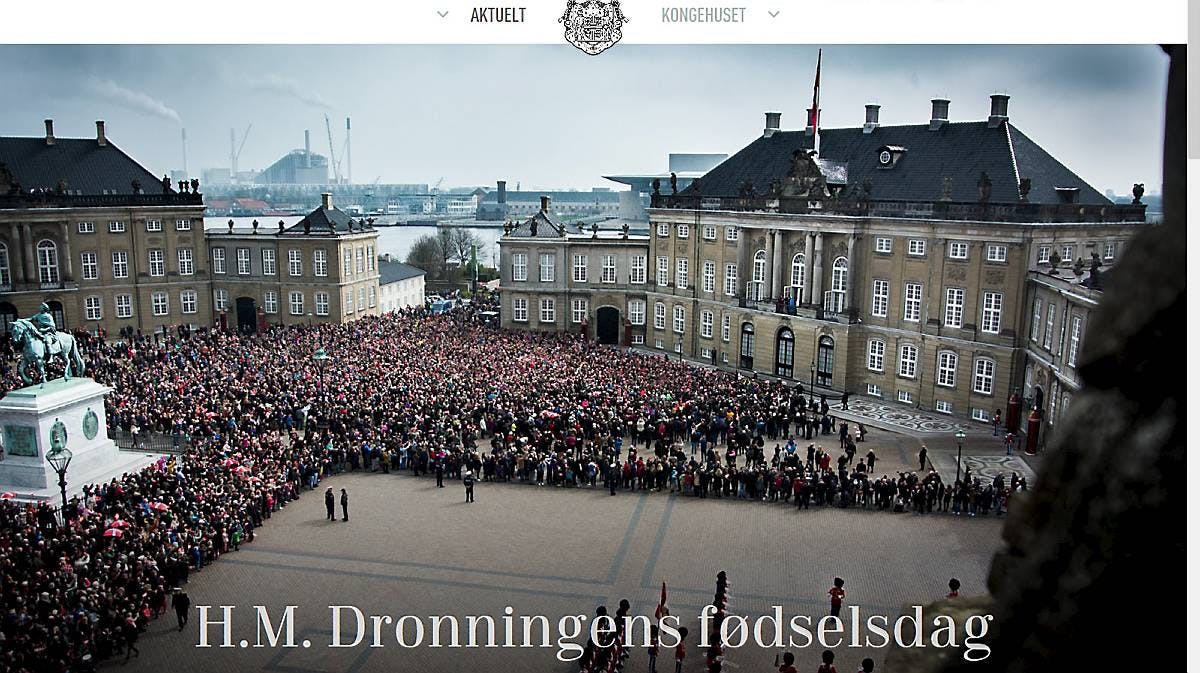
(324, 268)
(898, 264)
(86, 229)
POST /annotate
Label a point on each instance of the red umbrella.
(160, 506)
(120, 523)
(241, 469)
(114, 532)
(229, 462)
(7, 495)
(252, 478)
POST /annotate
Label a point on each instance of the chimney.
(999, 113)
(545, 204)
(308, 152)
(501, 192)
(940, 115)
(772, 124)
(100, 139)
(49, 131)
(872, 119)
(808, 129)
(327, 200)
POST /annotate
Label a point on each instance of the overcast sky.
(549, 116)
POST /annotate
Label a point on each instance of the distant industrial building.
(501, 204)
(298, 167)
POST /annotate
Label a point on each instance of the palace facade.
(901, 262)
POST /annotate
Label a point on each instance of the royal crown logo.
(593, 25)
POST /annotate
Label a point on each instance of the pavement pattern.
(413, 549)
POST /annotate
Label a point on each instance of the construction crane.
(333, 159)
(234, 155)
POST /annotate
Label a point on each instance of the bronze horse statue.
(26, 338)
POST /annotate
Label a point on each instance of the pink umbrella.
(254, 479)
(7, 495)
(241, 469)
(160, 506)
(229, 462)
(120, 523)
(114, 532)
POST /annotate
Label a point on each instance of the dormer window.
(889, 155)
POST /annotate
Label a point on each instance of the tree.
(463, 240)
(445, 246)
(426, 254)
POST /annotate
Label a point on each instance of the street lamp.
(59, 459)
(320, 357)
(960, 436)
(812, 377)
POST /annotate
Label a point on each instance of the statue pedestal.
(74, 408)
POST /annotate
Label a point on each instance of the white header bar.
(649, 22)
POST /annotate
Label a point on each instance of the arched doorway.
(785, 353)
(825, 361)
(608, 325)
(8, 314)
(56, 311)
(1039, 398)
(247, 315)
(746, 361)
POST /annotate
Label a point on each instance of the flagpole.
(816, 112)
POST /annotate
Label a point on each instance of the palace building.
(89, 231)
(891, 261)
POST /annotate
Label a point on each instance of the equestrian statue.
(39, 341)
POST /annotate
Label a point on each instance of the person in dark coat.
(469, 485)
(345, 505)
(329, 504)
(182, 604)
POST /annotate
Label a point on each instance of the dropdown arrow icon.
(774, 13)
(442, 14)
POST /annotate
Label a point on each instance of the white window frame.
(185, 261)
(681, 273)
(1068, 252)
(47, 261)
(879, 297)
(320, 263)
(183, 225)
(731, 232)
(93, 308)
(1035, 323)
(637, 311)
(660, 316)
(912, 302)
(637, 270)
(904, 396)
(188, 301)
(906, 361)
(664, 229)
(295, 263)
(706, 324)
(160, 303)
(1076, 335)
(296, 302)
(709, 277)
(731, 280)
(123, 306)
(959, 250)
(608, 268)
(1110, 251)
(876, 352)
(579, 310)
(679, 319)
(947, 369)
(218, 260)
(116, 226)
(943, 407)
(546, 267)
(579, 268)
(154, 225)
(271, 302)
(916, 247)
(244, 265)
(89, 266)
(682, 231)
(874, 390)
(520, 309)
(883, 244)
(546, 310)
(984, 382)
(120, 264)
(662, 271)
(157, 262)
(86, 227)
(997, 253)
(1048, 330)
(520, 267)
(710, 232)
(993, 305)
(1043, 254)
(321, 303)
(956, 299)
(268, 261)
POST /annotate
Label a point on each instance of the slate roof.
(958, 150)
(87, 167)
(547, 227)
(321, 219)
(394, 272)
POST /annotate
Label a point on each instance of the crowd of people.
(263, 422)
